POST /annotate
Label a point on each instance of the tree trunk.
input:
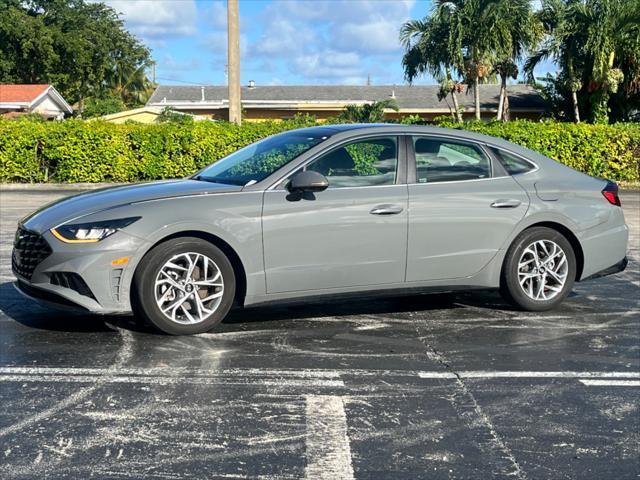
(476, 95)
(574, 93)
(503, 94)
(456, 106)
(574, 101)
(506, 115)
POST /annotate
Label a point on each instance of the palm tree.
(367, 113)
(612, 31)
(563, 42)
(427, 50)
(473, 38)
(517, 30)
(129, 83)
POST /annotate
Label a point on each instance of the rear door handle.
(506, 204)
(386, 210)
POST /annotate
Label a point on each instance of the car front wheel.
(539, 269)
(184, 286)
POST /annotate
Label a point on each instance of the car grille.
(29, 249)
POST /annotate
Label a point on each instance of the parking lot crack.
(479, 423)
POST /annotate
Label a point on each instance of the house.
(41, 99)
(140, 115)
(324, 101)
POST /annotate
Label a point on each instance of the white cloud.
(217, 15)
(327, 64)
(157, 20)
(170, 63)
(324, 40)
(283, 36)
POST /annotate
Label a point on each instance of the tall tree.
(518, 30)
(427, 50)
(596, 45)
(73, 44)
(613, 31)
(473, 40)
(562, 42)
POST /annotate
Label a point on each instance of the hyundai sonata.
(326, 210)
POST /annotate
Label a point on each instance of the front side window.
(439, 160)
(367, 162)
(259, 160)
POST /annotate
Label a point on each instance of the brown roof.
(21, 93)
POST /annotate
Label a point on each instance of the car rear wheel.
(539, 270)
(184, 286)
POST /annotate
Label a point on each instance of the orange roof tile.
(20, 93)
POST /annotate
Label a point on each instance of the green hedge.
(77, 151)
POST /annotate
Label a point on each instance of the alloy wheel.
(189, 288)
(542, 270)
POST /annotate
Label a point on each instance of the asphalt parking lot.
(426, 386)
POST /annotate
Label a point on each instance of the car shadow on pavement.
(31, 314)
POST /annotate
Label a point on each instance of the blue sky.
(290, 42)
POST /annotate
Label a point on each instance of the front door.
(460, 213)
(353, 234)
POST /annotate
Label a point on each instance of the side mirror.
(308, 181)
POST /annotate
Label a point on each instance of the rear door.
(462, 208)
(352, 234)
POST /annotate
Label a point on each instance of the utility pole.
(233, 61)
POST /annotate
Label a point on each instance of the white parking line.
(611, 383)
(166, 380)
(310, 376)
(173, 372)
(327, 443)
(539, 374)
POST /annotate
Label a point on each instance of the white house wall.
(48, 107)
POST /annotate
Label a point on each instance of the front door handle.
(386, 210)
(506, 204)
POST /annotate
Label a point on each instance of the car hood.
(76, 206)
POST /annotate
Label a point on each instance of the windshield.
(259, 160)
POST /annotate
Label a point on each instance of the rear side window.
(512, 164)
(439, 160)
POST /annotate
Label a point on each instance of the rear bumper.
(613, 269)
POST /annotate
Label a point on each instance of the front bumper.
(82, 275)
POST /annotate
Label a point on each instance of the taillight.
(610, 192)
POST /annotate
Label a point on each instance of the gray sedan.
(321, 211)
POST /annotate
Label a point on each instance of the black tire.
(509, 283)
(143, 300)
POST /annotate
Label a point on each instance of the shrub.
(77, 151)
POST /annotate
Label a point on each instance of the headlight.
(90, 232)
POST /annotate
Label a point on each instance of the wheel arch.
(238, 267)
(571, 238)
